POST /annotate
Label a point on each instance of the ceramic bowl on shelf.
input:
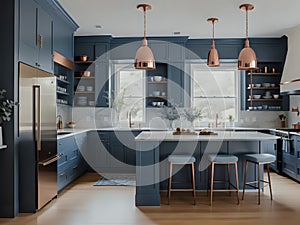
(259, 107)
(256, 96)
(276, 96)
(266, 84)
(81, 88)
(257, 85)
(156, 93)
(154, 103)
(157, 78)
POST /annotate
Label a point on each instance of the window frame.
(114, 83)
(225, 66)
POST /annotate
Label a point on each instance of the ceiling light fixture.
(213, 55)
(247, 58)
(144, 58)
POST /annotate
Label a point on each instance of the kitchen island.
(153, 148)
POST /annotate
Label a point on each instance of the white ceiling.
(120, 18)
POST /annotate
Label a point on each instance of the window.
(215, 90)
(128, 96)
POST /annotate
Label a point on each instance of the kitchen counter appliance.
(37, 138)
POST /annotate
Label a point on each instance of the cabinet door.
(45, 41)
(28, 48)
(175, 83)
(85, 49)
(160, 51)
(101, 52)
(102, 83)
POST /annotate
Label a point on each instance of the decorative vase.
(282, 123)
(170, 124)
(1, 140)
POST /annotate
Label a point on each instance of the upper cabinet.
(44, 27)
(36, 36)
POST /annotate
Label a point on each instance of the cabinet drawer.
(62, 180)
(66, 144)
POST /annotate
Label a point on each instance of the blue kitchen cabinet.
(87, 49)
(113, 153)
(28, 47)
(160, 51)
(36, 36)
(101, 83)
(102, 52)
(289, 159)
(71, 164)
(176, 84)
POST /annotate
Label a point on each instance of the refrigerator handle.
(37, 115)
(51, 160)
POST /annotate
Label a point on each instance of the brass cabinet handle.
(40, 41)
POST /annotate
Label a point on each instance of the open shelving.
(84, 97)
(63, 70)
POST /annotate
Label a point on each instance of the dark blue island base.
(153, 149)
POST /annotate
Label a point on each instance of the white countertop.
(221, 136)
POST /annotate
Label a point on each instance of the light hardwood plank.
(85, 204)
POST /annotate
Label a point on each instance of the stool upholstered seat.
(181, 159)
(259, 158)
(222, 158)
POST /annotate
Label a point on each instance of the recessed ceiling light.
(98, 26)
(176, 33)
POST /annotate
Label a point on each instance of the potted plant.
(170, 114)
(6, 109)
(231, 120)
(282, 118)
(192, 114)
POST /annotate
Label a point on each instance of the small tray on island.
(207, 132)
(184, 133)
(181, 131)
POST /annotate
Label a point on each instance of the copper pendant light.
(213, 59)
(247, 58)
(144, 58)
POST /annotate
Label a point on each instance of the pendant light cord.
(247, 24)
(213, 31)
(144, 22)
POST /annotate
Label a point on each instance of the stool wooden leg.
(245, 177)
(170, 183)
(258, 179)
(212, 182)
(237, 182)
(269, 178)
(228, 173)
(208, 180)
(193, 182)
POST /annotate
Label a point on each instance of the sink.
(64, 133)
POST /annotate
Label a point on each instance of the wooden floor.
(85, 204)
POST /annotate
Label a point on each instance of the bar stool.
(223, 159)
(182, 160)
(258, 159)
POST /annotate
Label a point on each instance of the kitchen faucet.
(59, 124)
(130, 122)
(217, 117)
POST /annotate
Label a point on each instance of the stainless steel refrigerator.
(37, 138)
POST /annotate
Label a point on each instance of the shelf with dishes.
(264, 99)
(264, 74)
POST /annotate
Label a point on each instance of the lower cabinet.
(291, 158)
(71, 165)
(111, 151)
